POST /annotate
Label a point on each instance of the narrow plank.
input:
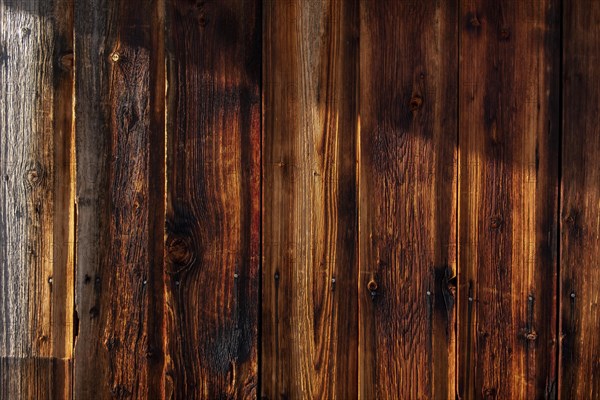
(580, 203)
(309, 320)
(213, 199)
(120, 194)
(508, 190)
(36, 213)
(407, 200)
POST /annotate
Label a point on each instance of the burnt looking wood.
(299, 199)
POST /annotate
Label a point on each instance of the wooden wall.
(289, 199)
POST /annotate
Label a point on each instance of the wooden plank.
(508, 185)
(580, 203)
(213, 199)
(407, 201)
(119, 111)
(36, 213)
(309, 329)
(35, 378)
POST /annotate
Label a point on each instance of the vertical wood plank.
(213, 199)
(309, 276)
(120, 190)
(580, 203)
(508, 184)
(36, 265)
(408, 134)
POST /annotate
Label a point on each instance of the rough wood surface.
(120, 139)
(299, 199)
(36, 291)
(407, 201)
(580, 203)
(310, 332)
(508, 185)
(213, 199)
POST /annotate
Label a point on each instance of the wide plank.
(508, 196)
(407, 201)
(120, 89)
(213, 199)
(310, 264)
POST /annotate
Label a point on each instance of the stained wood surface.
(213, 199)
(309, 304)
(120, 184)
(580, 203)
(407, 202)
(36, 291)
(508, 144)
(299, 199)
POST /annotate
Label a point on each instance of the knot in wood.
(66, 61)
(415, 103)
(372, 285)
(115, 57)
(496, 222)
(504, 33)
(180, 253)
(34, 174)
(531, 336)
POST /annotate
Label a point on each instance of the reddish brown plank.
(580, 203)
(309, 304)
(213, 199)
(508, 180)
(407, 202)
(119, 111)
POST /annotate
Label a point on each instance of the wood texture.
(299, 199)
(213, 199)
(309, 322)
(407, 201)
(508, 179)
(36, 213)
(120, 189)
(580, 203)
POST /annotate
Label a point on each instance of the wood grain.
(580, 203)
(407, 201)
(310, 260)
(213, 199)
(120, 190)
(36, 213)
(508, 180)
(309, 337)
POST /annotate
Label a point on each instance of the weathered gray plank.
(36, 213)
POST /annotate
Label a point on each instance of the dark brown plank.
(508, 185)
(36, 213)
(120, 191)
(580, 210)
(408, 134)
(310, 332)
(213, 199)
